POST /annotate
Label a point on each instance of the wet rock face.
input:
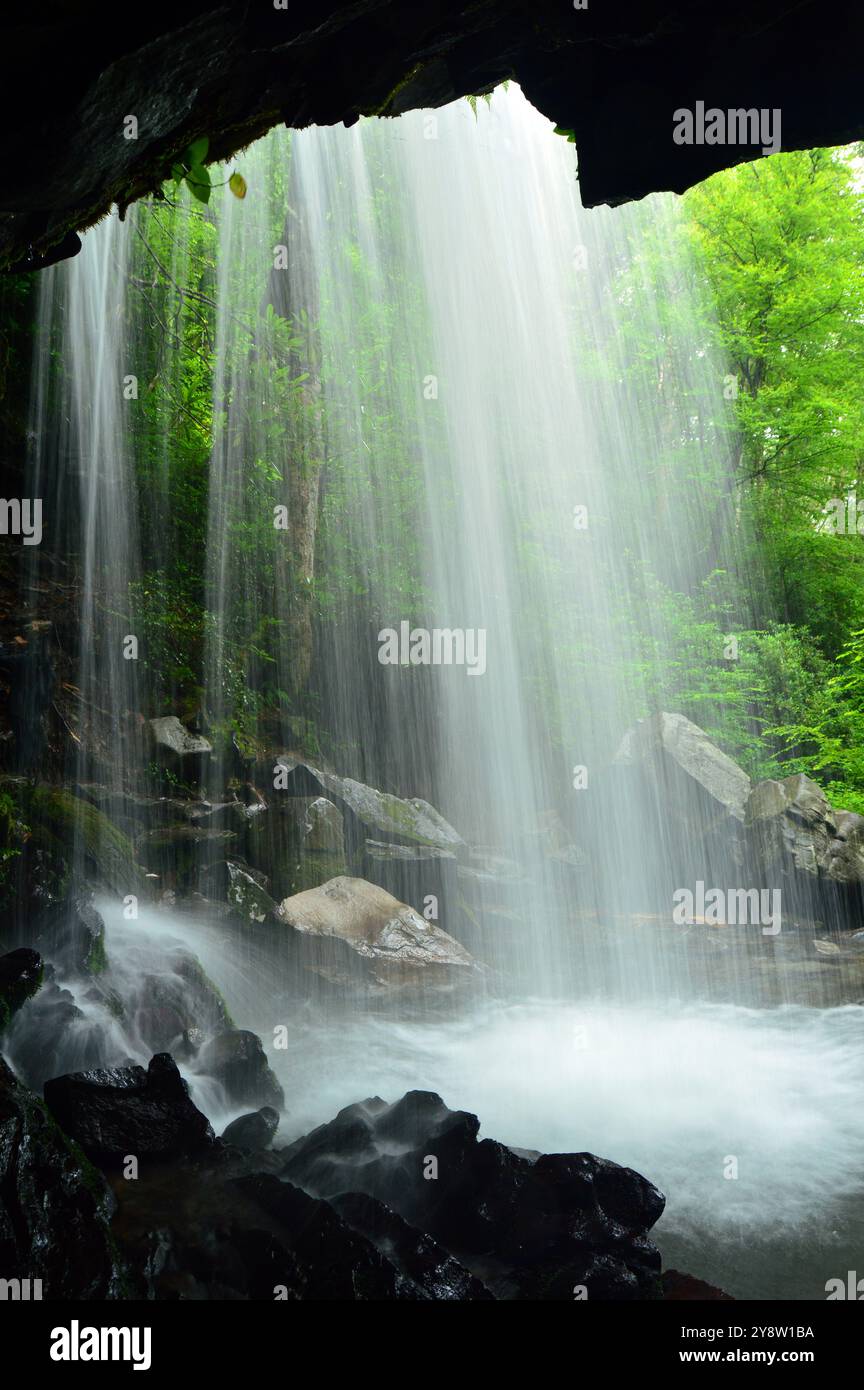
(536, 1226)
(20, 978)
(792, 826)
(613, 75)
(72, 934)
(120, 1111)
(54, 1207)
(236, 1059)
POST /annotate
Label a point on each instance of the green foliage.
(14, 833)
(780, 243)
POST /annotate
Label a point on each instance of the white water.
(673, 1090)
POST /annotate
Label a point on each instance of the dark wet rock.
(120, 1111)
(322, 827)
(610, 74)
(179, 853)
(530, 1228)
(237, 1060)
(421, 1261)
(72, 935)
(253, 1132)
(165, 1007)
(51, 1032)
(246, 895)
(21, 975)
(349, 929)
(71, 848)
(299, 843)
(55, 1208)
(210, 1234)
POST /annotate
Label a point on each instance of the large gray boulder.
(683, 755)
(351, 927)
(410, 820)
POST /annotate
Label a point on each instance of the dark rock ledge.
(385, 1202)
(613, 74)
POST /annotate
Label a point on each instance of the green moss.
(61, 823)
(313, 869)
(97, 961)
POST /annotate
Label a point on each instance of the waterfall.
(464, 463)
(493, 470)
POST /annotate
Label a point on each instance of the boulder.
(72, 935)
(20, 977)
(322, 827)
(844, 862)
(532, 1226)
(299, 843)
(683, 757)
(55, 1208)
(793, 830)
(349, 928)
(409, 820)
(236, 1059)
(164, 1007)
(119, 1111)
(253, 1133)
(175, 747)
(246, 894)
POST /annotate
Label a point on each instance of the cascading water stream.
(441, 371)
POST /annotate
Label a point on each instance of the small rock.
(235, 1058)
(253, 1132)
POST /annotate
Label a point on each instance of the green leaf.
(198, 180)
(197, 151)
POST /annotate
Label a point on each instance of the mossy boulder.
(68, 840)
(72, 935)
